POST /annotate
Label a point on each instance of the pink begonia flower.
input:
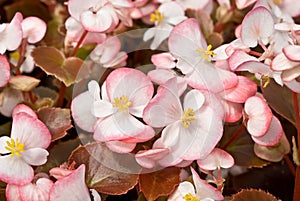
(187, 44)
(165, 18)
(11, 34)
(39, 190)
(265, 129)
(4, 71)
(100, 16)
(202, 191)
(191, 131)
(108, 53)
(11, 98)
(257, 27)
(124, 94)
(25, 147)
(217, 159)
(75, 31)
(73, 187)
(34, 29)
(142, 9)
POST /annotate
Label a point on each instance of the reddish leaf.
(242, 148)
(159, 183)
(253, 195)
(98, 175)
(58, 121)
(53, 62)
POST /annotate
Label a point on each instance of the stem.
(297, 178)
(234, 136)
(290, 164)
(258, 54)
(83, 35)
(61, 95)
(22, 52)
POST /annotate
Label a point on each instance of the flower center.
(206, 54)
(277, 2)
(190, 197)
(188, 117)
(156, 17)
(266, 80)
(15, 147)
(122, 103)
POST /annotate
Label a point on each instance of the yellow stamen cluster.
(265, 80)
(188, 117)
(156, 17)
(190, 197)
(15, 147)
(277, 2)
(122, 103)
(206, 54)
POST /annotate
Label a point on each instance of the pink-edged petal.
(258, 25)
(3, 144)
(272, 136)
(194, 100)
(244, 89)
(30, 131)
(102, 109)
(259, 116)
(293, 85)
(58, 172)
(183, 189)
(165, 107)
(24, 108)
(38, 191)
(13, 170)
(95, 194)
(120, 147)
(35, 156)
(12, 193)
(205, 190)
(149, 158)
(292, 52)
(291, 74)
(131, 83)
(14, 32)
(4, 70)
(281, 62)
(99, 22)
(254, 67)
(118, 61)
(238, 57)
(76, 7)
(120, 126)
(221, 53)
(233, 111)
(218, 158)
(34, 29)
(76, 187)
(163, 60)
(241, 4)
(161, 76)
(94, 89)
(81, 108)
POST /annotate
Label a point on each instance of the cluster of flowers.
(198, 90)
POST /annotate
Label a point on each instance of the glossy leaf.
(98, 174)
(242, 148)
(53, 62)
(253, 195)
(57, 120)
(159, 183)
(281, 100)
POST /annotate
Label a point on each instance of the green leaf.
(57, 120)
(281, 100)
(159, 183)
(98, 174)
(242, 148)
(53, 62)
(253, 195)
(273, 153)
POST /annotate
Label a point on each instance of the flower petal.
(149, 158)
(281, 62)
(102, 109)
(218, 158)
(12, 193)
(13, 170)
(99, 22)
(259, 116)
(3, 144)
(34, 29)
(13, 32)
(163, 60)
(76, 187)
(35, 156)
(38, 191)
(4, 71)
(292, 52)
(30, 131)
(194, 100)
(24, 108)
(120, 147)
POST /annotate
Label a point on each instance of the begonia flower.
(26, 146)
(165, 18)
(4, 71)
(28, 64)
(11, 34)
(201, 190)
(38, 190)
(100, 16)
(191, 131)
(34, 29)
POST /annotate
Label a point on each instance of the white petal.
(35, 156)
(102, 109)
(120, 147)
(3, 144)
(194, 99)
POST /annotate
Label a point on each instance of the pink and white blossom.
(34, 29)
(4, 71)
(26, 146)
